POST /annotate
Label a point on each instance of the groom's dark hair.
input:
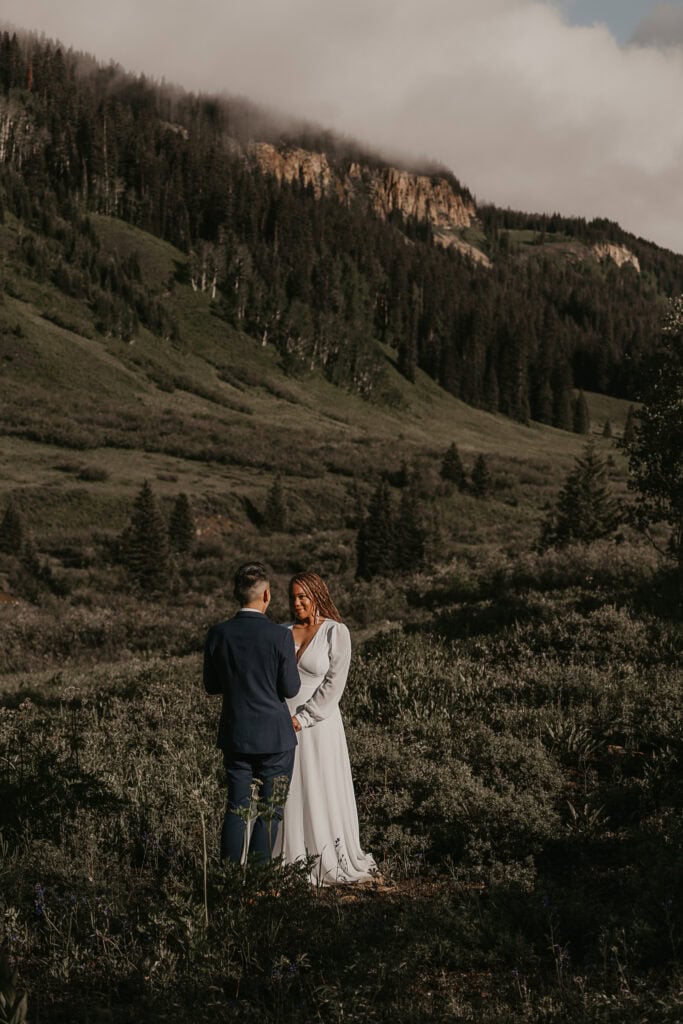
(251, 579)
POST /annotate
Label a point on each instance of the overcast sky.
(567, 105)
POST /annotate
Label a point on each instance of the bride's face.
(302, 603)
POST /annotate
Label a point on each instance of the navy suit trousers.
(241, 771)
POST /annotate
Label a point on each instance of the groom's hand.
(296, 723)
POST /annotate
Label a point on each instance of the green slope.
(215, 414)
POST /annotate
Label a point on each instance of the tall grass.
(518, 782)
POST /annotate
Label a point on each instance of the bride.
(320, 816)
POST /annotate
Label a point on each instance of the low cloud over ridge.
(527, 110)
(662, 27)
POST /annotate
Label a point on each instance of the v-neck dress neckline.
(302, 648)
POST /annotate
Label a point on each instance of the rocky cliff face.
(619, 254)
(388, 190)
(426, 199)
(293, 164)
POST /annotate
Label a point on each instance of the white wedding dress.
(320, 816)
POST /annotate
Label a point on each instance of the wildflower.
(39, 900)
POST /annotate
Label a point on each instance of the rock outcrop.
(428, 200)
(452, 241)
(293, 164)
(619, 254)
(431, 200)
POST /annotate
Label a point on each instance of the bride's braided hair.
(316, 588)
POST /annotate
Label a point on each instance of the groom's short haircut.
(251, 579)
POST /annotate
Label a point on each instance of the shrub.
(12, 530)
(93, 474)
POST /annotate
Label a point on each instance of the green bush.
(93, 474)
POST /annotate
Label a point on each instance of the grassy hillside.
(214, 414)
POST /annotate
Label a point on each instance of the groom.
(251, 662)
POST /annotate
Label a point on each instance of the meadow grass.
(516, 746)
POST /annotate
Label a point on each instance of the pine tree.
(452, 468)
(607, 429)
(630, 426)
(581, 420)
(181, 527)
(376, 540)
(407, 357)
(543, 403)
(548, 346)
(355, 506)
(12, 533)
(34, 576)
(146, 543)
(30, 560)
(585, 509)
(561, 381)
(655, 453)
(562, 408)
(410, 534)
(481, 477)
(275, 512)
(491, 398)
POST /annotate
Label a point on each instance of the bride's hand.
(296, 723)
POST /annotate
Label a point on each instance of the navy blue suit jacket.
(251, 661)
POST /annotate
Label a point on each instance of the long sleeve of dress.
(329, 692)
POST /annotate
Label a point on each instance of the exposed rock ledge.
(619, 254)
(292, 164)
(452, 241)
(426, 199)
(429, 200)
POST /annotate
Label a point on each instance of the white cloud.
(525, 109)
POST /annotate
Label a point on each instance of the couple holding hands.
(281, 687)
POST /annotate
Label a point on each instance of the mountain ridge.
(315, 253)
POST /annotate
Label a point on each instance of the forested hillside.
(321, 277)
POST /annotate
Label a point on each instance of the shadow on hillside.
(181, 271)
(50, 701)
(123, 1002)
(661, 596)
(254, 515)
(462, 611)
(483, 618)
(44, 792)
